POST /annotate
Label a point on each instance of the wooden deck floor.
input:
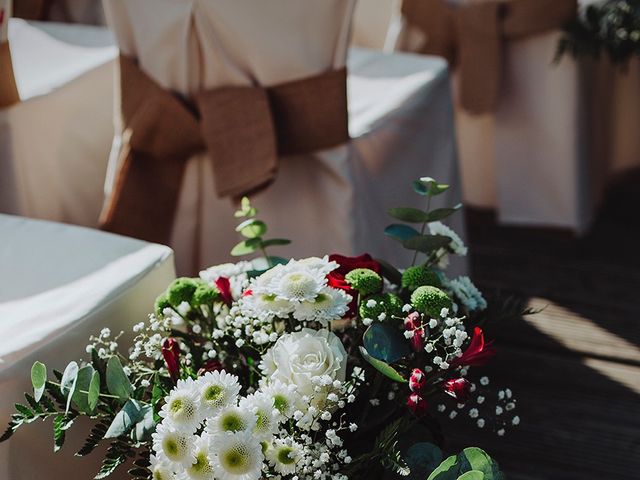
(575, 367)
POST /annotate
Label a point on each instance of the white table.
(60, 284)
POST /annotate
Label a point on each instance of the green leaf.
(132, 412)
(474, 458)
(382, 367)
(400, 232)
(96, 434)
(472, 475)
(80, 396)
(442, 213)
(390, 272)
(117, 381)
(38, 379)
(246, 210)
(448, 470)
(246, 247)
(25, 411)
(61, 424)
(252, 228)
(408, 214)
(275, 242)
(427, 243)
(144, 427)
(428, 186)
(68, 382)
(94, 391)
(422, 458)
(116, 455)
(383, 341)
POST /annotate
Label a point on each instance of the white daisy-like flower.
(295, 282)
(267, 416)
(330, 304)
(321, 265)
(235, 272)
(182, 406)
(217, 390)
(238, 457)
(457, 245)
(202, 466)
(264, 306)
(173, 444)
(231, 419)
(284, 456)
(468, 293)
(283, 396)
(161, 468)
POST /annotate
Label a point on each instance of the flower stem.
(424, 226)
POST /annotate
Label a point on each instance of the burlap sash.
(8, 89)
(243, 129)
(470, 34)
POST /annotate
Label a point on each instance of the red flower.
(458, 388)
(417, 381)
(224, 287)
(171, 354)
(413, 323)
(417, 405)
(478, 352)
(335, 279)
(210, 366)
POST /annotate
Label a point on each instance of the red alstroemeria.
(224, 287)
(478, 352)
(417, 405)
(210, 366)
(458, 388)
(417, 381)
(171, 354)
(335, 279)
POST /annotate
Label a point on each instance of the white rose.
(296, 358)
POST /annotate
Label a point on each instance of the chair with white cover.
(56, 134)
(60, 284)
(325, 200)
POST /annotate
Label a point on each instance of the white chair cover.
(334, 200)
(59, 285)
(54, 144)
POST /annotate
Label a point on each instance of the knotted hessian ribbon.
(471, 35)
(244, 130)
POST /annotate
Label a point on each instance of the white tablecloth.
(400, 119)
(59, 285)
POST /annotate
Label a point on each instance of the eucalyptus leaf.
(145, 426)
(94, 390)
(252, 228)
(409, 214)
(442, 213)
(432, 187)
(422, 458)
(68, 382)
(382, 367)
(246, 247)
(131, 413)
(448, 470)
(400, 232)
(472, 475)
(427, 243)
(38, 379)
(383, 341)
(80, 396)
(118, 383)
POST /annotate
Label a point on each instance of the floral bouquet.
(319, 368)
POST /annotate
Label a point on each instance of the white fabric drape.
(61, 284)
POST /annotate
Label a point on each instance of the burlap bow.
(470, 34)
(243, 129)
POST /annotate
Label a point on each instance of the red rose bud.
(417, 405)
(417, 341)
(210, 366)
(478, 352)
(224, 287)
(171, 354)
(417, 381)
(458, 388)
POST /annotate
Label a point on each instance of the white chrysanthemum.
(182, 407)
(283, 396)
(330, 304)
(231, 419)
(173, 444)
(468, 293)
(457, 245)
(161, 468)
(202, 466)
(295, 282)
(284, 456)
(235, 272)
(265, 306)
(217, 390)
(267, 415)
(238, 457)
(321, 265)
